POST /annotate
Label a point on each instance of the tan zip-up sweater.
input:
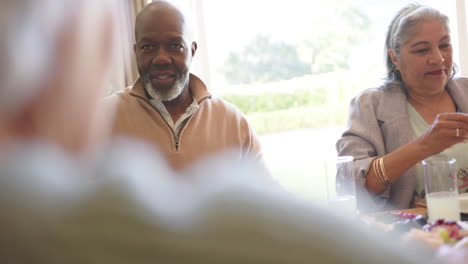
(216, 126)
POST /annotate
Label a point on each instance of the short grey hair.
(402, 27)
(185, 15)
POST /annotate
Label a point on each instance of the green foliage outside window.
(321, 100)
(273, 101)
(325, 47)
(264, 60)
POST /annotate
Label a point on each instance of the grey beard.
(167, 95)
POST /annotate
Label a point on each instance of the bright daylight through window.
(292, 67)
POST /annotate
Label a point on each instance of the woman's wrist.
(388, 168)
(421, 149)
(405, 157)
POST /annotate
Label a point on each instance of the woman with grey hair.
(417, 113)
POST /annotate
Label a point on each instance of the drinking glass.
(341, 191)
(441, 185)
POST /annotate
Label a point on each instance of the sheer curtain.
(462, 37)
(124, 72)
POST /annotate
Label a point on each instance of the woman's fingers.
(454, 124)
(453, 117)
(451, 126)
(447, 130)
(452, 131)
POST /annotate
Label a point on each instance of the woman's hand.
(441, 135)
(447, 130)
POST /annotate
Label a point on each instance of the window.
(292, 68)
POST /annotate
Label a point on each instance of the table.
(416, 211)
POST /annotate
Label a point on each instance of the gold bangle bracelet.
(380, 171)
(384, 172)
(375, 166)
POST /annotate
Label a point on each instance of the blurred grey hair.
(28, 29)
(402, 28)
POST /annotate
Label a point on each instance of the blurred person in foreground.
(417, 113)
(63, 201)
(41, 57)
(168, 106)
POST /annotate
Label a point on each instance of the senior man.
(168, 106)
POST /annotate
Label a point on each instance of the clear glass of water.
(341, 190)
(441, 185)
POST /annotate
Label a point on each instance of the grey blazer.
(378, 124)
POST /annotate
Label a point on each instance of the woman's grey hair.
(29, 30)
(402, 28)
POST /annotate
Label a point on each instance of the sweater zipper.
(176, 139)
(174, 136)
